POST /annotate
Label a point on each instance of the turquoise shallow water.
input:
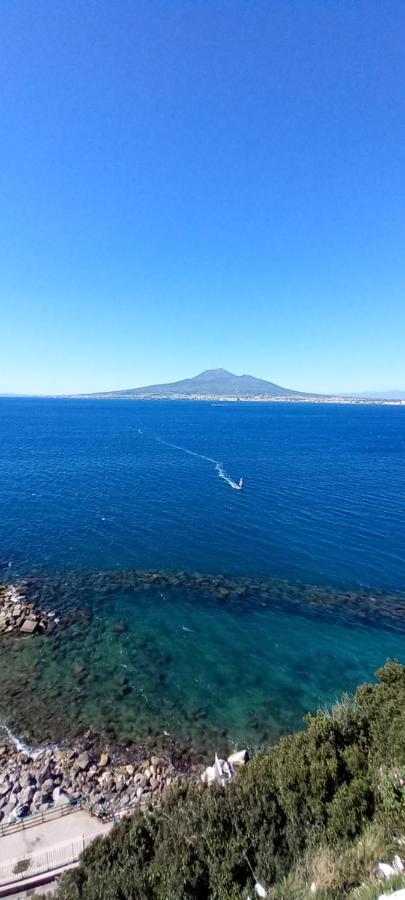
(90, 492)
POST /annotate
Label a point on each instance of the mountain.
(211, 383)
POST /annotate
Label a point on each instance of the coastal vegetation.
(313, 814)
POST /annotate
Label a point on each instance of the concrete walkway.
(48, 846)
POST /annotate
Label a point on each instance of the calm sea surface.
(112, 508)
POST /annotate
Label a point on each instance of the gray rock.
(29, 626)
(83, 761)
(24, 758)
(27, 779)
(27, 794)
(43, 775)
(23, 809)
(7, 810)
(47, 786)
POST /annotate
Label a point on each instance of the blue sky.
(188, 184)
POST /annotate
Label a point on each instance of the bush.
(311, 794)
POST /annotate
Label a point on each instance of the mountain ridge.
(220, 384)
(212, 383)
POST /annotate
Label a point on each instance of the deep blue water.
(86, 483)
(105, 485)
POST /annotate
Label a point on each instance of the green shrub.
(383, 706)
(312, 793)
(391, 786)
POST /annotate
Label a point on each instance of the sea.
(218, 570)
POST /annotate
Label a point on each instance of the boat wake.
(236, 485)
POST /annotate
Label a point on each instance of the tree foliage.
(317, 787)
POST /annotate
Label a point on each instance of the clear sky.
(189, 184)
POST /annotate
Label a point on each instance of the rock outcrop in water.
(18, 616)
(357, 605)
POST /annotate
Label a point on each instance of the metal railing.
(55, 812)
(47, 861)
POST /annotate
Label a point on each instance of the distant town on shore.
(223, 386)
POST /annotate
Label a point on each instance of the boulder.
(83, 761)
(37, 799)
(157, 761)
(220, 772)
(47, 786)
(27, 795)
(384, 870)
(23, 809)
(9, 808)
(5, 789)
(239, 758)
(59, 798)
(29, 626)
(27, 779)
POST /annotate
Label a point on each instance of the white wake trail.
(237, 486)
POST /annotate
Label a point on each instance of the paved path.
(48, 845)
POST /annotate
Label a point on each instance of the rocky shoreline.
(108, 783)
(107, 780)
(18, 616)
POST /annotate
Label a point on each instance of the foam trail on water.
(237, 486)
(34, 752)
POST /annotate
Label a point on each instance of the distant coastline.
(216, 398)
(219, 385)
